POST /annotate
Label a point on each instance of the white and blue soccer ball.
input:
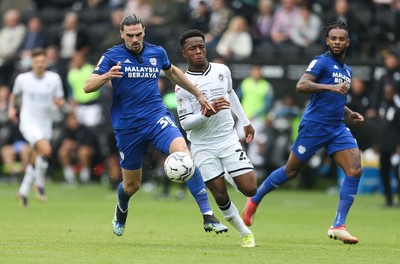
(179, 167)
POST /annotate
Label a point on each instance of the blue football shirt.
(136, 97)
(327, 107)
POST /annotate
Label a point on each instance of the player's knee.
(131, 188)
(249, 191)
(221, 198)
(355, 172)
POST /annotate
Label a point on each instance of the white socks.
(232, 216)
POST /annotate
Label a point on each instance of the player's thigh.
(132, 145)
(344, 150)
(166, 136)
(33, 132)
(349, 160)
(208, 162)
(234, 159)
(247, 183)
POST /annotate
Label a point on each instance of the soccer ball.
(179, 167)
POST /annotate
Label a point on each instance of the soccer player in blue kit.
(139, 117)
(327, 79)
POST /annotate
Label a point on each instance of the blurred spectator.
(11, 35)
(235, 42)
(391, 61)
(111, 150)
(35, 37)
(219, 20)
(199, 17)
(245, 8)
(113, 37)
(70, 39)
(262, 22)
(141, 8)
(389, 140)
(166, 18)
(13, 147)
(53, 59)
(359, 100)
(86, 105)
(307, 28)
(256, 95)
(76, 150)
(284, 22)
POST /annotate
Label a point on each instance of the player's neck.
(198, 68)
(38, 74)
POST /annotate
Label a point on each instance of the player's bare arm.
(307, 84)
(179, 78)
(12, 112)
(218, 105)
(357, 118)
(96, 81)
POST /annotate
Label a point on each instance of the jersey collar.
(205, 72)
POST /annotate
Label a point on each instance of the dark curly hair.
(338, 24)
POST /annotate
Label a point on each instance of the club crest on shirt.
(153, 61)
(301, 149)
(221, 77)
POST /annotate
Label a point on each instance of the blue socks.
(198, 189)
(346, 198)
(273, 181)
(123, 198)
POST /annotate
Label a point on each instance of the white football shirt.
(214, 82)
(37, 98)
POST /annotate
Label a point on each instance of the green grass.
(74, 226)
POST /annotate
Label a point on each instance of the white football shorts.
(212, 159)
(34, 132)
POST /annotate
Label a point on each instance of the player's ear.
(144, 31)
(183, 54)
(120, 32)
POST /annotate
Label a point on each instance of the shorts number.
(164, 121)
(242, 154)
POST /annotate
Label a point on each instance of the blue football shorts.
(134, 143)
(314, 136)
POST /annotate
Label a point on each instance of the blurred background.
(266, 43)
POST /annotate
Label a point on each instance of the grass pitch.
(74, 226)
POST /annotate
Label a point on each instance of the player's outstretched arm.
(179, 78)
(96, 81)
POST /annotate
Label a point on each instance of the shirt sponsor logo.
(142, 72)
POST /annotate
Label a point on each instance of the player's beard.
(136, 47)
(337, 54)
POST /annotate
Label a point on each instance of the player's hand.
(356, 118)
(249, 133)
(341, 88)
(59, 101)
(218, 104)
(205, 105)
(12, 114)
(115, 72)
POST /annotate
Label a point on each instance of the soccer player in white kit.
(214, 141)
(39, 90)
